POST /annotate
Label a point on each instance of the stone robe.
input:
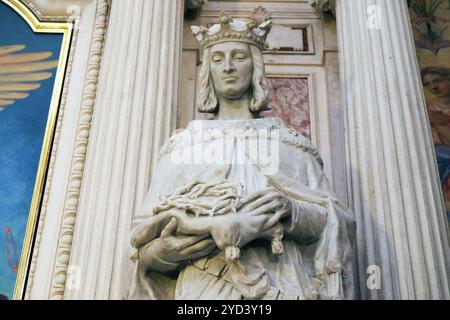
(318, 234)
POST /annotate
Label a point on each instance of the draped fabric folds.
(318, 234)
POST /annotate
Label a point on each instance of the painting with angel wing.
(21, 73)
(28, 65)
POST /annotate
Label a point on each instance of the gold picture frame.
(66, 29)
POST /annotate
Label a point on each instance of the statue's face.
(231, 69)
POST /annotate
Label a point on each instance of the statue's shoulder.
(183, 137)
(295, 139)
(174, 139)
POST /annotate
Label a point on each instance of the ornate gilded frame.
(66, 29)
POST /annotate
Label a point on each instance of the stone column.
(135, 112)
(394, 186)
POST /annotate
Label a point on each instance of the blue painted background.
(22, 127)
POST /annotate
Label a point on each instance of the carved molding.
(56, 10)
(79, 157)
(33, 8)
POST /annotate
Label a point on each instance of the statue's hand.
(257, 218)
(168, 251)
(268, 202)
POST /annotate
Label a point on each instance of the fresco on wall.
(430, 20)
(289, 100)
(28, 64)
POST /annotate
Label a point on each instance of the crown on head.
(233, 30)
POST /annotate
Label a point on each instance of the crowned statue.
(239, 206)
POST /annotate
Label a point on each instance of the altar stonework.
(214, 198)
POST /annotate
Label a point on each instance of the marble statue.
(239, 206)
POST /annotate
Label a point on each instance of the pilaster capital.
(324, 5)
(193, 4)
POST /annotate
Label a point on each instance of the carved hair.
(207, 98)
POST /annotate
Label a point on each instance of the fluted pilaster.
(52, 245)
(135, 112)
(393, 181)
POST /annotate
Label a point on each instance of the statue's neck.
(238, 109)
